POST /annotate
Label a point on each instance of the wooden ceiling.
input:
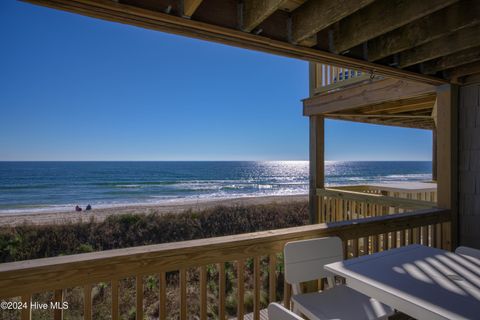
(432, 41)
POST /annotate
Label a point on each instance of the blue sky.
(76, 88)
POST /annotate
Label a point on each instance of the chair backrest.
(304, 260)
(467, 251)
(277, 312)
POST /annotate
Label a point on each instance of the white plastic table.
(423, 282)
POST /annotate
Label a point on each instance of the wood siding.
(469, 165)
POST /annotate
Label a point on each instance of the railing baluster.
(162, 308)
(432, 235)
(115, 305)
(256, 288)
(438, 231)
(241, 288)
(221, 291)
(203, 293)
(183, 293)
(287, 294)
(272, 277)
(139, 297)
(355, 248)
(87, 302)
(27, 312)
(58, 298)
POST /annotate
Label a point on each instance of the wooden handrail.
(371, 198)
(26, 277)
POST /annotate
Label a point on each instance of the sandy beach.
(170, 207)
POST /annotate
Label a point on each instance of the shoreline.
(62, 217)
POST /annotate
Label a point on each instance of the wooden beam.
(381, 17)
(314, 16)
(458, 41)
(464, 70)
(317, 164)
(112, 11)
(255, 11)
(367, 94)
(453, 18)
(190, 6)
(447, 150)
(403, 105)
(452, 60)
(390, 116)
(427, 125)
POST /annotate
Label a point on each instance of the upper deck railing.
(199, 278)
(328, 77)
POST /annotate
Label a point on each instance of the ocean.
(58, 186)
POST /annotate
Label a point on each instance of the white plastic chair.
(277, 312)
(305, 261)
(469, 252)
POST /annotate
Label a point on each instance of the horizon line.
(375, 160)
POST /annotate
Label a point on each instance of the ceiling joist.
(452, 60)
(380, 17)
(256, 11)
(443, 22)
(458, 41)
(314, 16)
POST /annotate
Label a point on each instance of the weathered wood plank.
(453, 60)
(443, 22)
(183, 293)
(203, 293)
(464, 70)
(87, 302)
(113, 11)
(58, 298)
(314, 16)
(256, 11)
(139, 297)
(241, 289)
(27, 312)
(162, 296)
(272, 278)
(221, 290)
(256, 288)
(380, 17)
(458, 41)
(115, 300)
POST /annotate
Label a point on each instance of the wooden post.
(434, 154)
(316, 164)
(447, 149)
(316, 150)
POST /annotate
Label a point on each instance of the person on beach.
(89, 207)
(77, 208)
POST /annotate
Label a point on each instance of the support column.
(447, 166)
(434, 154)
(317, 151)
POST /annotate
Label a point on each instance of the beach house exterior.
(405, 63)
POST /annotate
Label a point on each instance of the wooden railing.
(330, 77)
(239, 260)
(344, 204)
(355, 202)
